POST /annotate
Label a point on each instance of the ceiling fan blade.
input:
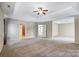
(44, 13)
(38, 13)
(35, 11)
(45, 10)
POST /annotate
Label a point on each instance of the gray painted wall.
(76, 29)
(66, 29)
(54, 29)
(1, 30)
(12, 30)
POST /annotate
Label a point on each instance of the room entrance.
(42, 30)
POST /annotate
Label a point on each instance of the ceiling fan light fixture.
(40, 10)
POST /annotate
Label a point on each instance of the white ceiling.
(24, 10)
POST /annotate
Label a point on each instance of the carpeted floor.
(43, 48)
(8, 52)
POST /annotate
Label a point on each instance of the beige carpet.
(43, 48)
(8, 52)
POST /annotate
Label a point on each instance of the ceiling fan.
(40, 10)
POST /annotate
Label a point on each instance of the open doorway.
(41, 30)
(63, 30)
(22, 30)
